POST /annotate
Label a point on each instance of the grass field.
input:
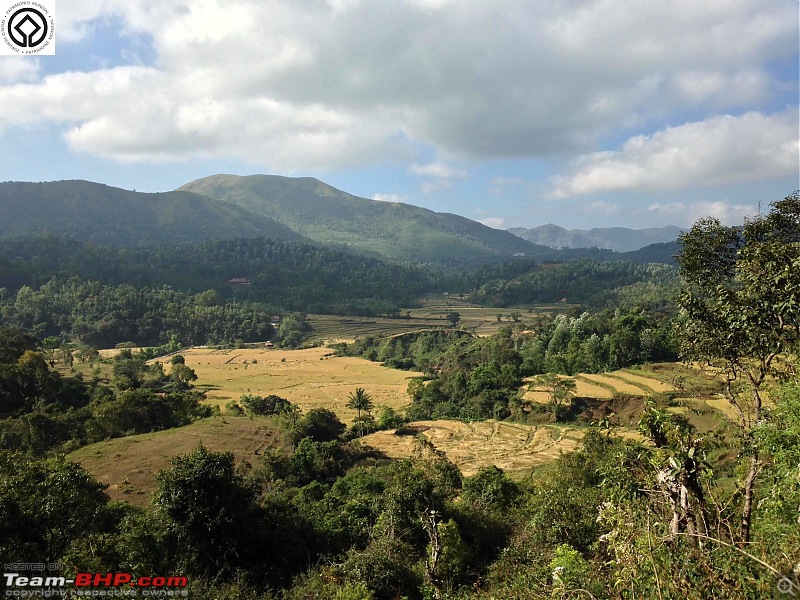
(311, 378)
(128, 465)
(511, 446)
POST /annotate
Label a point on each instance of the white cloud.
(686, 214)
(15, 69)
(494, 222)
(303, 85)
(436, 170)
(388, 197)
(718, 151)
(436, 175)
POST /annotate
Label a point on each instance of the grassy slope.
(112, 216)
(391, 229)
(129, 465)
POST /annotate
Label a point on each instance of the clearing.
(129, 464)
(311, 378)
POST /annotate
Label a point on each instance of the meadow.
(129, 464)
(311, 378)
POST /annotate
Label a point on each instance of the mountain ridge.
(619, 239)
(107, 215)
(394, 230)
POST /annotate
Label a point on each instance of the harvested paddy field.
(471, 446)
(617, 383)
(648, 382)
(128, 465)
(432, 313)
(311, 378)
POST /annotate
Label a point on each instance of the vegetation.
(690, 508)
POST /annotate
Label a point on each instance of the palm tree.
(360, 401)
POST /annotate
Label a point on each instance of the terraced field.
(605, 386)
(511, 446)
(433, 313)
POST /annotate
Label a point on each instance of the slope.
(391, 229)
(112, 216)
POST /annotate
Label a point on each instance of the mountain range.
(620, 239)
(284, 209)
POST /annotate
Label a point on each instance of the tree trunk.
(747, 505)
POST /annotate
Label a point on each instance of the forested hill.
(291, 275)
(391, 229)
(112, 216)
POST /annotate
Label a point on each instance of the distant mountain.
(107, 215)
(620, 239)
(390, 229)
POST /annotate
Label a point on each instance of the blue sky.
(583, 113)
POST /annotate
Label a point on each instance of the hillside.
(391, 229)
(112, 216)
(621, 239)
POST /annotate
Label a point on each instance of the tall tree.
(740, 311)
(361, 402)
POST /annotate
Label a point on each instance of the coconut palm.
(361, 402)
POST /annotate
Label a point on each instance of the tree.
(320, 424)
(740, 311)
(182, 376)
(560, 389)
(210, 510)
(361, 402)
(45, 506)
(453, 317)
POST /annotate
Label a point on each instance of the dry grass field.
(311, 378)
(513, 447)
(128, 465)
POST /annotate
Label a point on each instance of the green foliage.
(361, 402)
(491, 490)
(319, 424)
(46, 506)
(211, 512)
(267, 405)
(740, 311)
(588, 282)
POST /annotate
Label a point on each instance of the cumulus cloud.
(15, 69)
(686, 214)
(718, 151)
(328, 84)
(494, 222)
(436, 175)
(388, 197)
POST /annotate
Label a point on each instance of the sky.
(515, 113)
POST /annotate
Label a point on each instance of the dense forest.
(675, 512)
(227, 291)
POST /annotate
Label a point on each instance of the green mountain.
(111, 216)
(390, 229)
